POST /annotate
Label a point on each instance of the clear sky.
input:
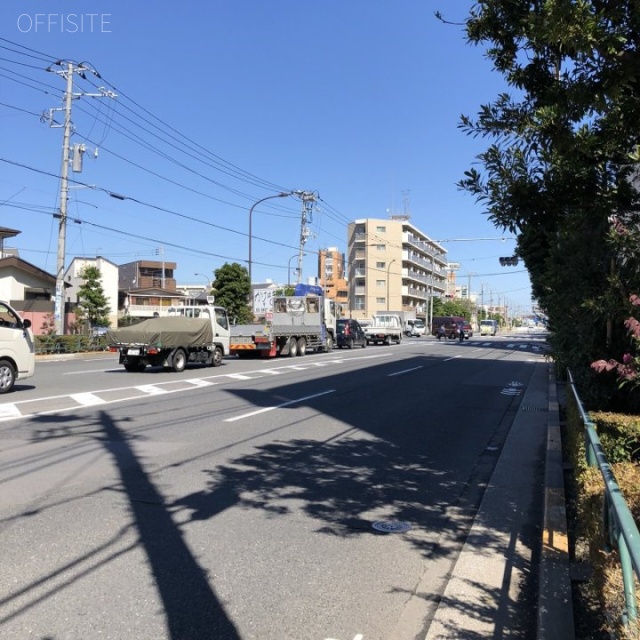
(224, 102)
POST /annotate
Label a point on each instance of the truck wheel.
(179, 360)
(350, 343)
(364, 344)
(302, 346)
(387, 340)
(328, 343)
(216, 357)
(293, 347)
(7, 376)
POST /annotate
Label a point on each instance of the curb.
(555, 604)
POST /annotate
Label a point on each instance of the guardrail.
(618, 522)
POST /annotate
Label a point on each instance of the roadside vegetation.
(561, 172)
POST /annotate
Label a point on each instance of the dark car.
(349, 333)
(468, 330)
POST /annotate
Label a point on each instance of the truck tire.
(7, 376)
(350, 343)
(328, 343)
(216, 357)
(293, 347)
(178, 360)
(387, 340)
(302, 346)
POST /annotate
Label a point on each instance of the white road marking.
(199, 382)
(86, 399)
(238, 376)
(399, 373)
(453, 358)
(152, 390)
(278, 406)
(81, 373)
(9, 411)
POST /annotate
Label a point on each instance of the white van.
(17, 349)
(488, 327)
(414, 328)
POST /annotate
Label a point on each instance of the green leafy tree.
(560, 159)
(232, 291)
(92, 301)
(450, 307)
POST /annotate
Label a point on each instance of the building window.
(381, 229)
(381, 247)
(381, 283)
(358, 303)
(381, 265)
(381, 300)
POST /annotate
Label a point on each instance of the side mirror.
(26, 324)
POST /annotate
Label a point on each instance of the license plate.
(133, 352)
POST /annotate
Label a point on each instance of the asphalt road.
(238, 503)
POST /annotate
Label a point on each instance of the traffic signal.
(511, 261)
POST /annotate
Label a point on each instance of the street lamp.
(253, 206)
(205, 277)
(388, 268)
(289, 267)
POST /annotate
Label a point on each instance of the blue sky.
(222, 103)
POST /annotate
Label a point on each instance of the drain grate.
(392, 526)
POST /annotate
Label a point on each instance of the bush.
(620, 438)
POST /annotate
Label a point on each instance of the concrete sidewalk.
(484, 597)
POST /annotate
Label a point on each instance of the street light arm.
(282, 194)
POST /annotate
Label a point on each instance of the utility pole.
(308, 201)
(67, 71)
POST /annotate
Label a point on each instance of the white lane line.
(199, 382)
(271, 372)
(238, 376)
(150, 389)
(453, 358)
(399, 373)
(86, 399)
(81, 373)
(278, 406)
(9, 411)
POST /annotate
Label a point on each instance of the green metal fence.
(618, 522)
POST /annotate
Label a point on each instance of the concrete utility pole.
(308, 200)
(67, 71)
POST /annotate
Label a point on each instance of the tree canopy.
(232, 291)
(92, 301)
(561, 160)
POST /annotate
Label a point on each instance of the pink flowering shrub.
(628, 371)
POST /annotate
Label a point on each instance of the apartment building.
(331, 276)
(393, 266)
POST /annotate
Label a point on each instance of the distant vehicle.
(349, 334)
(488, 327)
(451, 325)
(17, 349)
(99, 331)
(414, 328)
(384, 329)
(467, 329)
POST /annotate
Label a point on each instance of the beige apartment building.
(393, 266)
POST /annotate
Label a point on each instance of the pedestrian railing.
(618, 522)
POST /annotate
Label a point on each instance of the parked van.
(17, 349)
(451, 325)
(488, 327)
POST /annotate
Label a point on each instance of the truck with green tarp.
(187, 334)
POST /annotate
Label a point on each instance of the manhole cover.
(394, 526)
